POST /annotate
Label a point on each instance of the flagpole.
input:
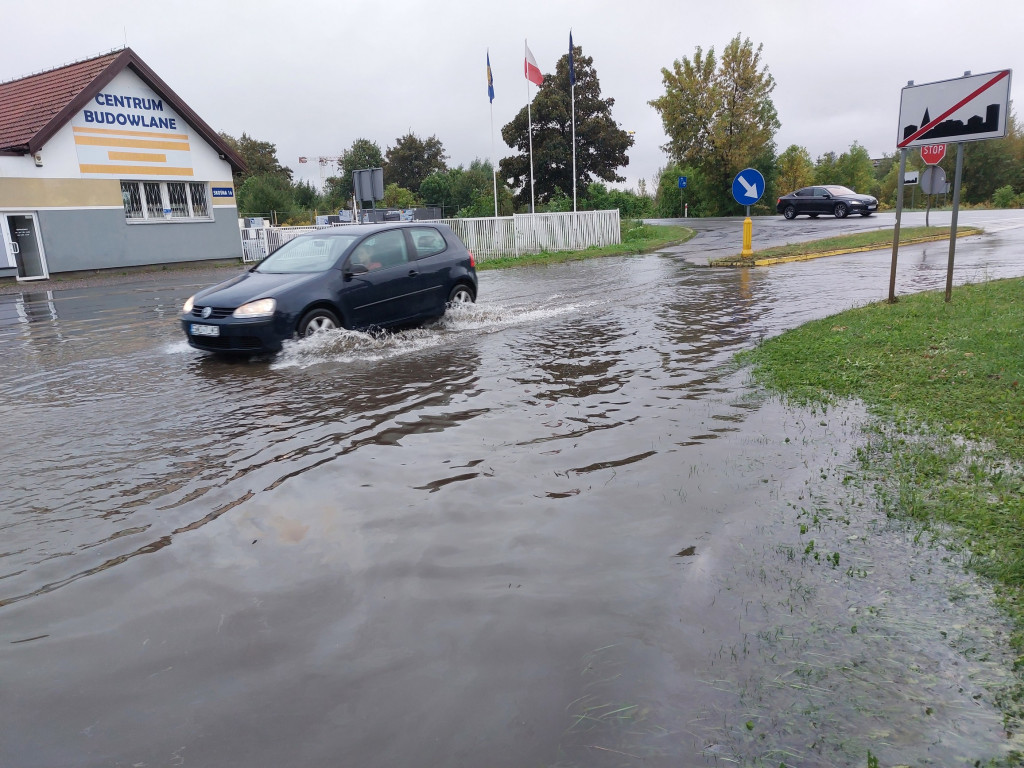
(572, 98)
(529, 126)
(494, 167)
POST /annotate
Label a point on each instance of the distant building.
(103, 166)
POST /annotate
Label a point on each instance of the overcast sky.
(311, 76)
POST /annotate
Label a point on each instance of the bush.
(1004, 197)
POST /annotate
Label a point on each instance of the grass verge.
(860, 241)
(945, 385)
(637, 237)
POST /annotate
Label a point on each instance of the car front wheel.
(789, 212)
(461, 294)
(841, 210)
(318, 320)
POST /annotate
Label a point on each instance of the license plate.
(205, 330)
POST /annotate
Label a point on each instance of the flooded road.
(557, 528)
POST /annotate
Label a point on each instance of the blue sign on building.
(223, 192)
(748, 186)
(682, 182)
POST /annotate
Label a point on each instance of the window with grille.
(172, 201)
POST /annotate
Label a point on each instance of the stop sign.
(933, 153)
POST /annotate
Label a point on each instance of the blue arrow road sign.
(682, 182)
(748, 186)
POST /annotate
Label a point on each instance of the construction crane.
(324, 163)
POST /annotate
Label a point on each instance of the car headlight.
(258, 308)
(188, 305)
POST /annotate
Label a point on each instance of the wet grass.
(873, 240)
(637, 237)
(946, 450)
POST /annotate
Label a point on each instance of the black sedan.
(829, 199)
(363, 276)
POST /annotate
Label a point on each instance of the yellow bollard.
(748, 236)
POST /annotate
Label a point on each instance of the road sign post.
(968, 108)
(747, 188)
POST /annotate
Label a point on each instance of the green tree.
(412, 159)
(268, 195)
(795, 169)
(826, 168)
(399, 197)
(361, 155)
(720, 118)
(466, 191)
(855, 170)
(260, 158)
(600, 144)
(306, 195)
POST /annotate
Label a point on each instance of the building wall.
(126, 133)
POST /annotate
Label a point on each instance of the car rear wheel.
(789, 212)
(841, 210)
(461, 294)
(316, 321)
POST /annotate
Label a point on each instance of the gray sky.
(311, 76)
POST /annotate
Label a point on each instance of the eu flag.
(490, 78)
(572, 69)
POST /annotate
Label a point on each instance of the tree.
(412, 159)
(855, 170)
(826, 168)
(721, 120)
(260, 158)
(264, 194)
(466, 191)
(600, 144)
(399, 197)
(795, 169)
(361, 155)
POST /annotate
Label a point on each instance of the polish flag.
(532, 70)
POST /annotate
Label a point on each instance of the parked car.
(362, 276)
(830, 199)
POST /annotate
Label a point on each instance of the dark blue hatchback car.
(360, 276)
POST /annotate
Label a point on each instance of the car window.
(820, 192)
(426, 241)
(306, 253)
(805, 192)
(382, 250)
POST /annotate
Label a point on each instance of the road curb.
(808, 256)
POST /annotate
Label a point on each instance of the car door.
(803, 200)
(432, 264)
(386, 293)
(821, 202)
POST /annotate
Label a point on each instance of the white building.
(103, 166)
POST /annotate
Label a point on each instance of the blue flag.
(572, 69)
(490, 78)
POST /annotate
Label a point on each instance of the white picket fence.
(487, 238)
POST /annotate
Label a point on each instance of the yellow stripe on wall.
(139, 157)
(137, 170)
(98, 141)
(119, 132)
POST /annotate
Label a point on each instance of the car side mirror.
(828, 196)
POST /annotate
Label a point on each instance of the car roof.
(368, 229)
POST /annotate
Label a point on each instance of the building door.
(24, 247)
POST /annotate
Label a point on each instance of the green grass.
(944, 383)
(636, 238)
(879, 238)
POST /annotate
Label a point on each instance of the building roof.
(34, 108)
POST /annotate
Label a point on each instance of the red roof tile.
(28, 104)
(34, 108)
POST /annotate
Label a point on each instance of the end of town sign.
(968, 108)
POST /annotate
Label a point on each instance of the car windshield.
(837, 190)
(307, 253)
